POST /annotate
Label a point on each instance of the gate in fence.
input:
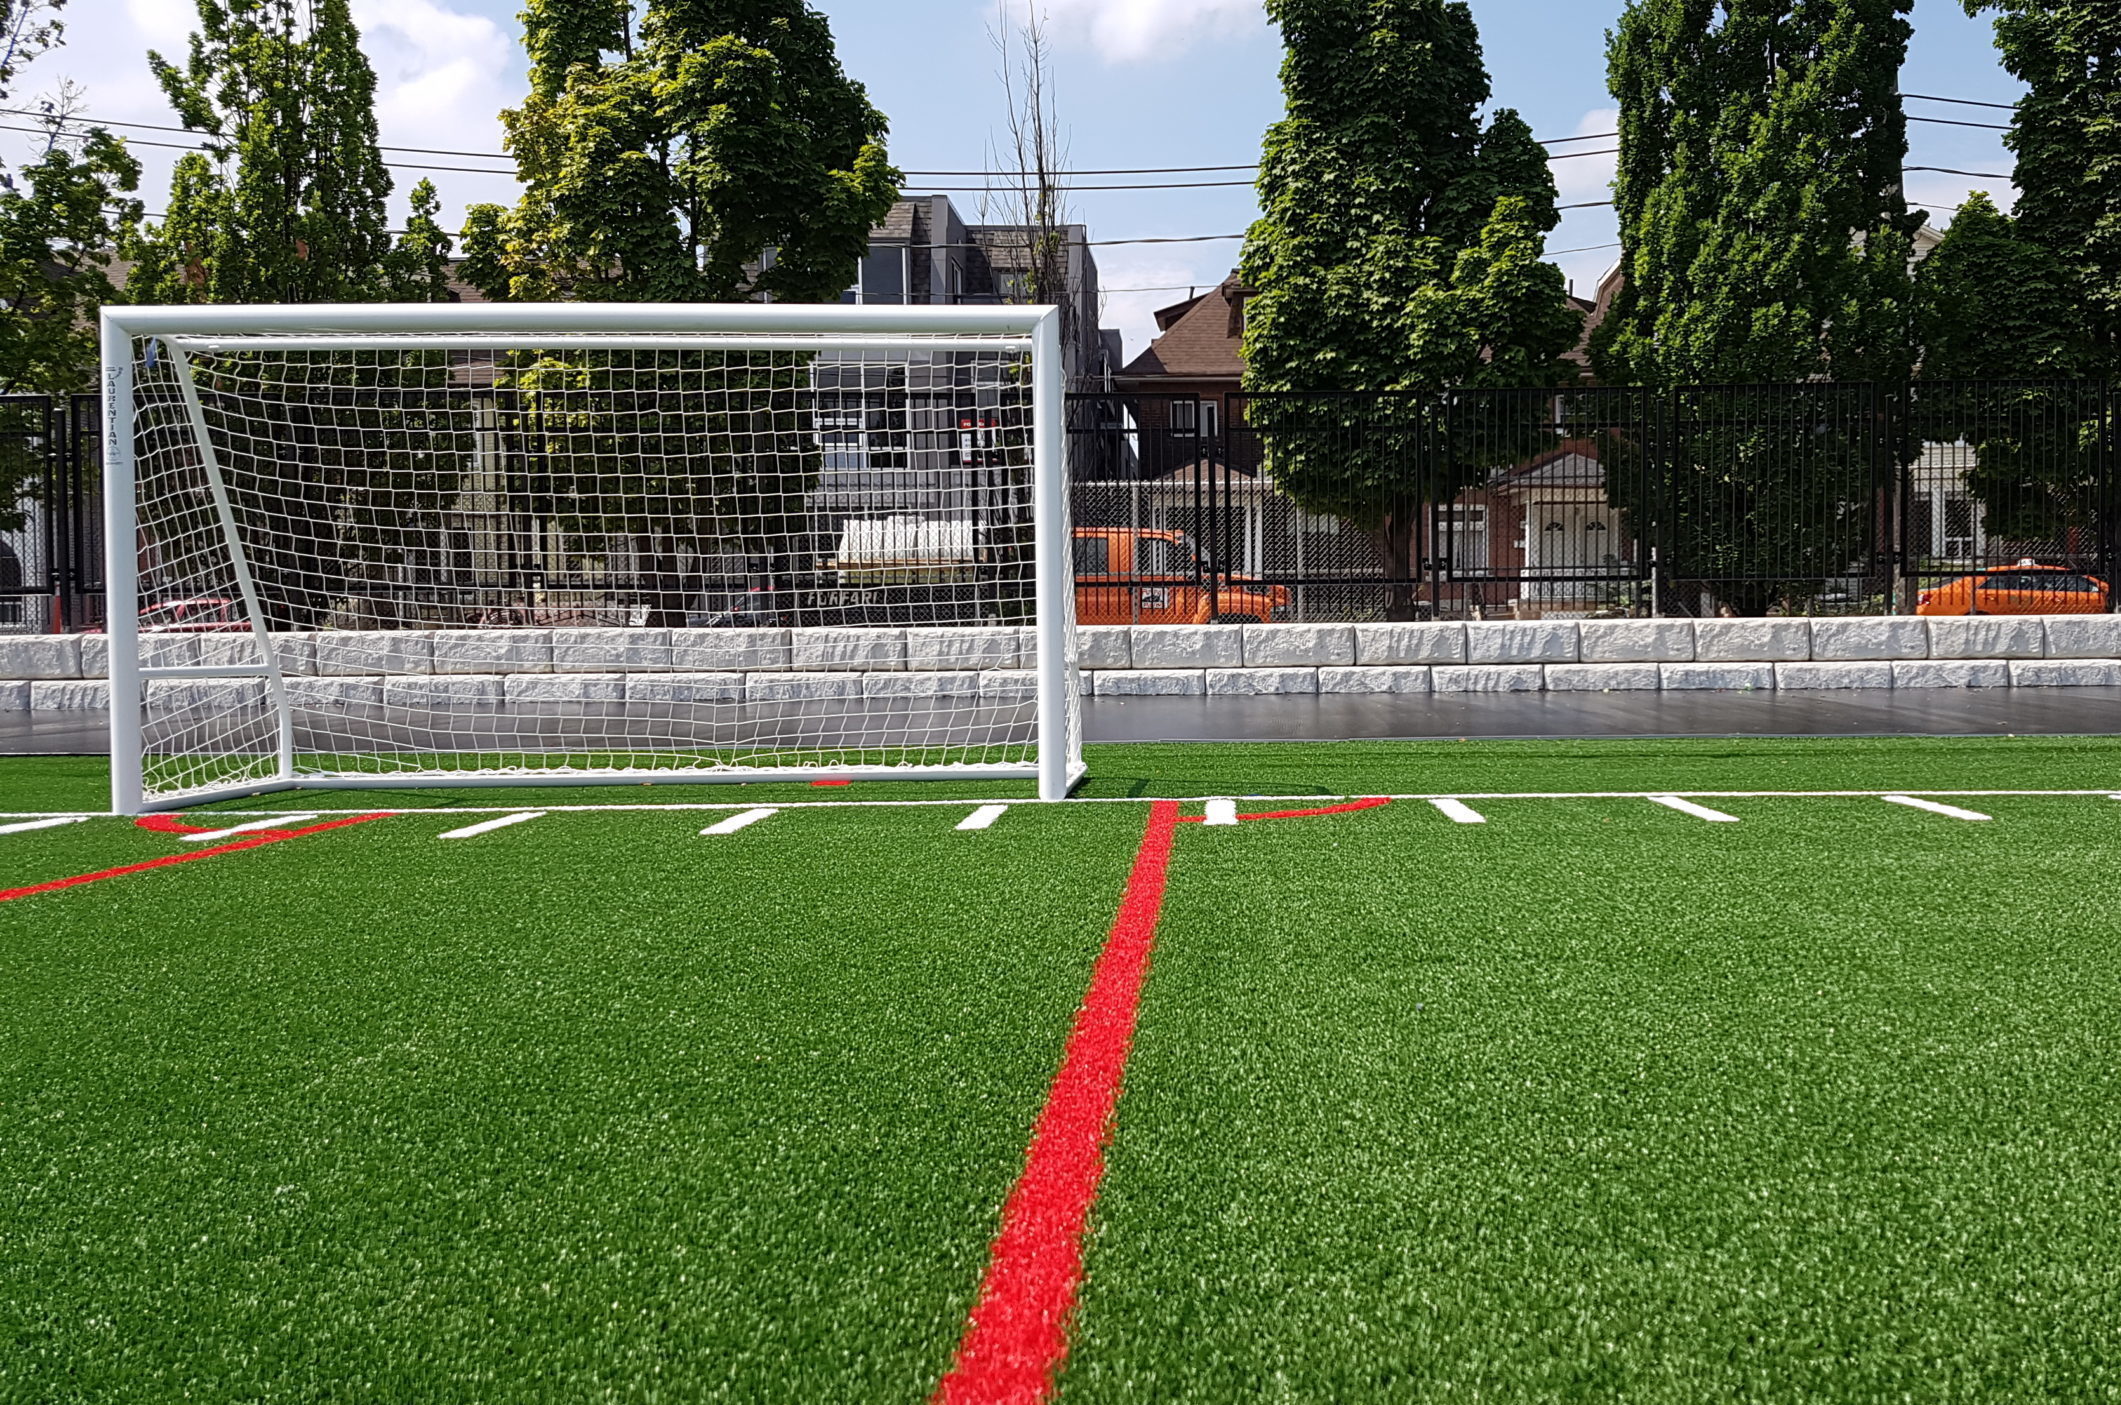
(51, 514)
(1819, 498)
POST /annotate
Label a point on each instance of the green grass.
(1594, 1101)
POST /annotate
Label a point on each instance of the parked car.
(2027, 588)
(1131, 575)
(204, 614)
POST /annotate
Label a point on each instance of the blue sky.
(1140, 83)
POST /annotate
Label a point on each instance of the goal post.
(399, 545)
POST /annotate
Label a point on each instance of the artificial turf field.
(1594, 1100)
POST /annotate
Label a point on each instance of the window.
(2066, 583)
(1093, 556)
(1195, 417)
(882, 277)
(1315, 524)
(1958, 540)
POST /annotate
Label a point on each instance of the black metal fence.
(1823, 498)
(1773, 499)
(51, 514)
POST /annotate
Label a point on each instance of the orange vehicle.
(1128, 575)
(2027, 588)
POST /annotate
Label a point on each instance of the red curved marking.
(1017, 1336)
(170, 824)
(1351, 806)
(254, 841)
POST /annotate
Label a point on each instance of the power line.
(159, 127)
(393, 165)
(1963, 102)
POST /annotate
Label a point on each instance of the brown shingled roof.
(1200, 337)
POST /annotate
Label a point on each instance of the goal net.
(515, 544)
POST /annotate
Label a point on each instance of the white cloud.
(1128, 31)
(1164, 278)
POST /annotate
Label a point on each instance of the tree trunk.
(1396, 543)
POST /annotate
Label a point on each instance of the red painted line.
(1017, 1336)
(1348, 808)
(832, 780)
(254, 841)
(168, 824)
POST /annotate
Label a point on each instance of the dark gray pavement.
(1855, 713)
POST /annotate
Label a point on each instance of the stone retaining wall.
(434, 668)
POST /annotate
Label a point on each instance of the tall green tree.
(666, 143)
(61, 217)
(1400, 251)
(2066, 135)
(289, 204)
(678, 151)
(2002, 322)
(1765, 239)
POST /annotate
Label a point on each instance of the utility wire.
(180, 146)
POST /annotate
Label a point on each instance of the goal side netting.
(420, 546)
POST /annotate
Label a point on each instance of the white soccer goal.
(519, 544)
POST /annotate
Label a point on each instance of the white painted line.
(1222, 812)
(1933, 807)
(983, 817)
(737, 822)
(276, 822)
(27, 825)
(473, 831)
(1688, 807)
(1460, 811)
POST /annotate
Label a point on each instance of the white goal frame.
(1030, 330)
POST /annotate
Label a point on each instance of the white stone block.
(14, 695)
(1951, 673)
(1409, 679)
(1086, 680)
(369, 653)
(335, 692)
(40, 656)
(1151, 682)
(1752, 641)
(493, 651)
(68, 695)
(1105, 646)
(1636, 641)
(733, 650)
(1987, 637)
(1869, 673)
(1489, 678)
(1386, 644)
(1525, 641)
(609, 650)
(685, 687)
(443, 694)
(205, 695)
(1011, 684)
(2083, 636)
(1298, 645)
(1260, 682)
(1727, 677)
(829, 649)
(800, 687)
(157, 650)
(296, 652)
(929, 683)
(1879, 637)
(1188, 646)
(565, 687)
(975, 647)
(1603, 677)
(2066, 673)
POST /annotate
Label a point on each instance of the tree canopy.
(666, 144)
(2066, 135)
(289, 202)
(1401, 249)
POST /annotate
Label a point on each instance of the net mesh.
(512, 560)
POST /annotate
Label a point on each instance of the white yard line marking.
(1458, 810)
(28, 825)
(983, 818)
(473, 831)
(274, 823)
(1222, 812)
(737, 822)
(1915, 803)
(1688, 807)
